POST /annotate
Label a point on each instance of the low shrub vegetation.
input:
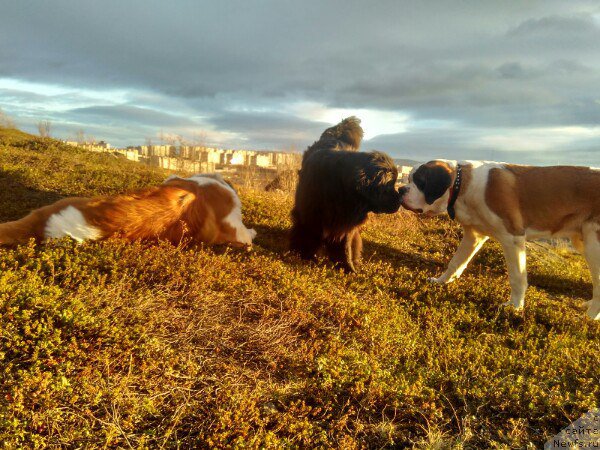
(136, 345)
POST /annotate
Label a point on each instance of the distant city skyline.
(508, 81)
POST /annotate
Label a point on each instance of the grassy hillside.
(120, 345)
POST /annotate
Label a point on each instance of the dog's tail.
(347, 131)
(346, 135)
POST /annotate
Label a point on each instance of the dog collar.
(454, 191)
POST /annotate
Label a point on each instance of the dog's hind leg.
(340, 253)
(591, 239)
(357, 246)
(305, 241)
(19, 231)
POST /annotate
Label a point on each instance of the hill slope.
(133, 345)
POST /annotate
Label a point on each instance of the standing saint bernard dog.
(511, 203)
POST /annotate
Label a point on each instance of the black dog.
(337, 188)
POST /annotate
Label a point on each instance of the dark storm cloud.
(429, 143)
(471, 65)
(270, 130)
(433, 143)
(556, 28)
(24, 97)
(130, 114)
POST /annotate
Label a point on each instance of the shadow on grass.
(18, 198)
(273, 239)
(276, 240)
(556, 285)
(417, 260)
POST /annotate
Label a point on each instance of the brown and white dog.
(202, 208)
(512, 203)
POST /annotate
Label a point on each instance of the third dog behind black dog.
(337, 188)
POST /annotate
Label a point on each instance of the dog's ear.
(433, 179)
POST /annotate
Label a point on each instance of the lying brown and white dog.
(512, 203)
(202, 208)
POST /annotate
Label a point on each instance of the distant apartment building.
(181, 165)
(282, 159)
(207, 154)
(162, 150)
(261, 160)
(143, 150)
(220, 156)
(90, 146)
(189, 158)
(403, 173)
(130, 154)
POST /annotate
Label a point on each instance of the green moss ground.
(131, 345)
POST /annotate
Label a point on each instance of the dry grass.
(120, 345)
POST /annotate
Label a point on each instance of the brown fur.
(173, 211)
(554, 199)
(467, 176)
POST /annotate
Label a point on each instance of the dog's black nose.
(403, 190)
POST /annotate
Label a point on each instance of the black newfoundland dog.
(337, 188)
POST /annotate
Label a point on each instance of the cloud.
(269, 130)
(557, 27)
(239, 70)
(563, 145)
(111, 115)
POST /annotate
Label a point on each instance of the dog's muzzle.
(389, 204)
(402, 192)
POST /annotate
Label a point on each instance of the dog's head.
(205, 178)
(428, 189)
(377, 183)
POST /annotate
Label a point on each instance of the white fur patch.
(474, 195)
(592, 255)
(70, 222)
(471, 207)
(203, 179)
(243, 235)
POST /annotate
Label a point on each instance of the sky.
(515, 81)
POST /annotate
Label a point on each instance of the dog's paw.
(438, 280)
(517, 306)
(252, 232)
(593, 309)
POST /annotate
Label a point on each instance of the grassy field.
(131, 345)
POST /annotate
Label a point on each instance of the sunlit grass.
(118, 344)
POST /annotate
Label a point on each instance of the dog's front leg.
(468, 247)
(592, 255)
(514, 252)
(305, 240)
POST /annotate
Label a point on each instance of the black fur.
(337, 187)
(433, 179)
